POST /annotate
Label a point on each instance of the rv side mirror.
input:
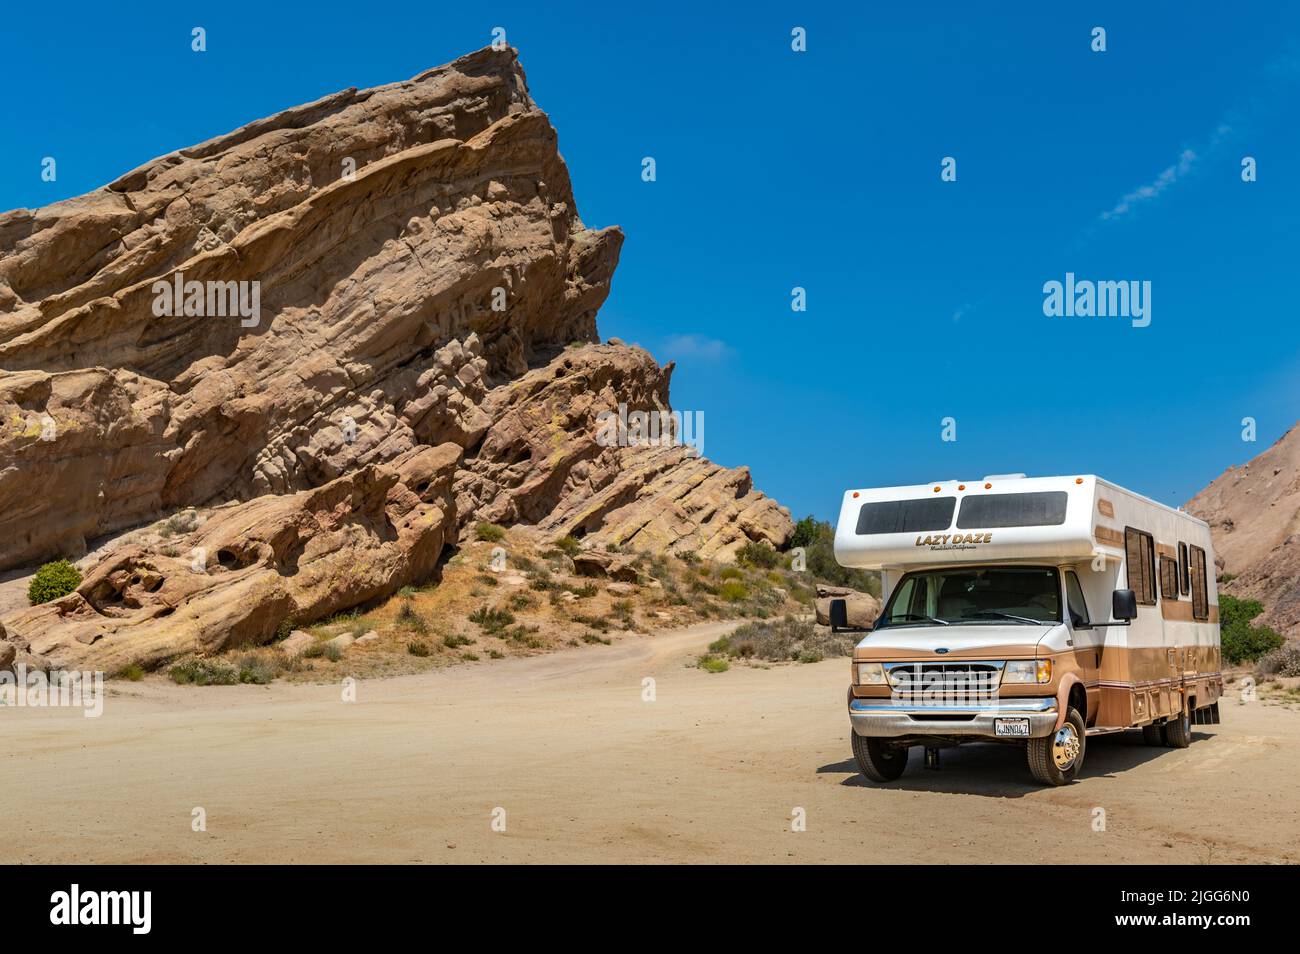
(1123, 605)
(839, 615)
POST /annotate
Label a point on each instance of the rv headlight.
(1028, 671)
(869, 674)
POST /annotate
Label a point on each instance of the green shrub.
(1242, 642)
(758, 554)
(780, 640)
(730, 573)
(325, 650)
(713, 664)
(204, 672)
(52, 581)
(568, 545)
(805, 531)
(132, 673)
(493, 621)
(257, 670)
(733, 591)
(490, 532)
(455, 640)
(418, 648)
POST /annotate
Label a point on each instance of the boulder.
(621, 589)
(863, 608)
(296, 643)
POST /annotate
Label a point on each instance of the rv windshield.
(1028, 595)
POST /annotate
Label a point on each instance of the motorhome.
(1037, 612)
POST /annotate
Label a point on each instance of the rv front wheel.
(1178, 734)
(1055, 759)
(878, 760)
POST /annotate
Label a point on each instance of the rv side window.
(1200, 586)
(906, 516)
(1141, 562)
(1184, 571)
(1044, 509)
(1078, 605)
(1168, 578)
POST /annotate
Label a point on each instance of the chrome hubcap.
(1065, 747)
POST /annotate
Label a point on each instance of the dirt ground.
(717, 768)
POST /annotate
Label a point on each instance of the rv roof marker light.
(936, 488)
(855, 494)
(961, 486)
(988, 486)
(1078, 480)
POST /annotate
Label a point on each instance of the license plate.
(1013, 727)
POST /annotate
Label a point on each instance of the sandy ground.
(714, 769)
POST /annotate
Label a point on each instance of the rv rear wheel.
(1055, 759)
(1153, 734)
(878, 760)
(1178, 733)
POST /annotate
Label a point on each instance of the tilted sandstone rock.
(542, 462)
(250, 567)
(377, 294)
(1254, 514)
(422, 280)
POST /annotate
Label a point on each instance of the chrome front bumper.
(882, 718)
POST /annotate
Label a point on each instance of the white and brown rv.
(1030, 611)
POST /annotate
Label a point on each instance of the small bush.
(1283, 662)
(326, 650)
(586, 591)
(418, 648)
(780, 640)
(409, 619)
(496, 654)
(455, 640)
(733, 591)
(132, 673)
(257, 670)
(568, 545)
(492, 621)
(759, 555)
(490, 532)
(730, 573)
(52, 581)
(1241, 641)
(487, 579)
(204, 672)
(713, 664)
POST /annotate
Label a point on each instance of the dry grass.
(536, 604)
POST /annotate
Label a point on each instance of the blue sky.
(821, 169)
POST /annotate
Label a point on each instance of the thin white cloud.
(696, 346)
(1167, 178)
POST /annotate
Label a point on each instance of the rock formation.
(1254, 514)
(285, 323)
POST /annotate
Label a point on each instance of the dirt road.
(713, 769)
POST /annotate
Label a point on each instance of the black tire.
(1153, 734)
(1178, 732)
(1043, 755)
(878, 760)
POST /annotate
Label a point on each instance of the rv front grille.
(959, 682)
